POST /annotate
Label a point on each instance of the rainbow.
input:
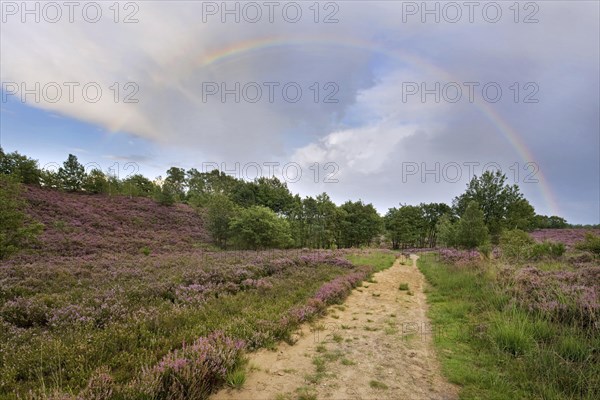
(242, 48)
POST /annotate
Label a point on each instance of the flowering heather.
(338, 289)
(118, 283)
(459, 257)
(193, 371)
(123, 310)
(567, 236)
(78, 224)
(564, 295)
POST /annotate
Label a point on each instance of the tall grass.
(496, 349)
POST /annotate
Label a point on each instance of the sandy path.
(377, 345)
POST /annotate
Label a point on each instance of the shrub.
(193, 371)
(25, 312)
(591, 243)
(547, 250)
(259, 227)
(515, 244)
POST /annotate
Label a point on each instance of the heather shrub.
(193, 371)
(101, 386)
(563, 296)
(25, 312)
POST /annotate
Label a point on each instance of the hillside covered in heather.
(78, 224)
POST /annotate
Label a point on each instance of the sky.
(385, 101)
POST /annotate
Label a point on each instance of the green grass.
(495, 350)
(236, 378)
(378, 385)
(377, 259)
(403, 286)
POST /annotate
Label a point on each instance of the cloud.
(171, 54)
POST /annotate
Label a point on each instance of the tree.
(546, 222)
(494, 197)
(520, 215)
(446, 231)
(95, 182)
(24, 168)
(16, 229)
(71, 174)
(139, 185)
(432, 213)
(405, 226)
(165, 195)
(272, 193)
(175, 183)
(220, 211)
(471, 230)
(359, 224)
(258, 227)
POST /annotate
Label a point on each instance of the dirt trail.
(377, 345)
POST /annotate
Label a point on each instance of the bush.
(515, 244)
(547, 250)
(193, 371)
(591, 243)
(25, 312)
(259, 227)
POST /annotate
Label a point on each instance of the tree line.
(263, 213)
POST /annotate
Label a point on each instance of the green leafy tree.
(405, 226)
(175, 183)
(446, 231)
(495, 198)
(546, 222)
(359, 224)
(272, 193)
(24, 168)
(139, 185)
(220, 212)
(71, 174)
(165, 195)
(50, 179)
(471, 230)
(432, 213)
(520, 215)
(258, 227)
(326, 220)
(95, 182)
(16, 229)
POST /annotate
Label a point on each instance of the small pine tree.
(165, 195)
(71, 174)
